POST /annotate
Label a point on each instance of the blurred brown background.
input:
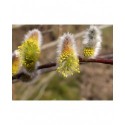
(95, 82)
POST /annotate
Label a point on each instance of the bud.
(67, 59)
(92, 42)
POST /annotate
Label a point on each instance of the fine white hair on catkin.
(67, 36)
(31, 32)
(15, 53)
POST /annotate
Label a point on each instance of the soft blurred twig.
(41, 86)
(53, 43)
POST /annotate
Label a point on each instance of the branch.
(98, 60)
(81, 60)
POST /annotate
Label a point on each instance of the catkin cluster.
(25, 58)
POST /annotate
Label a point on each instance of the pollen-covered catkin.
(67, 60)
(16, 64)
(30, 50)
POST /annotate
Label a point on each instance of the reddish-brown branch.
(99, 60)
(81, 60)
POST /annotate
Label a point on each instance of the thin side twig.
(54, 43)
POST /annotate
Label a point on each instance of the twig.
(81, 60)
(41, 86)
(53, 43)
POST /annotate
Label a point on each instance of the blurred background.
(95, 82)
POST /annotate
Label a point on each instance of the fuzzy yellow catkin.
(68, 62)
(16, 65)
(30, 51)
